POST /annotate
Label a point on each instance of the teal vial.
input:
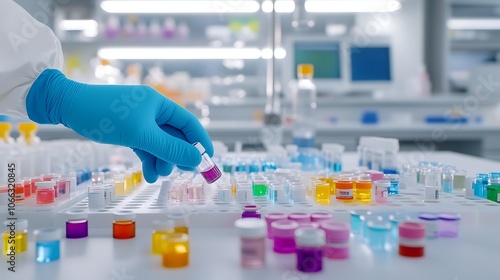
(47, 244)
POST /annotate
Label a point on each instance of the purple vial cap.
(251, 208)
(428, 216)
(449, 217)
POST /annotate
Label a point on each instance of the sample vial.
(308, 225)
(284, 236)
(356, 223)
(175, 247)
(337, 239)
(448, 224)
(180, 221)
(244, 192)
(45, 193)
(194, 192)
(96, 197)
(259, 188)
(77, 225)
(19, 191)
(310, 245)
(395, 220)
(331, 180)
(98, 178)
(33, 184)
(382, 191)
(411, 239)
(394, 179)
(251, 211)
(297, 193)
(365, 219)
(363, 192)
(344, 189)
(207, 167)
(224, 195)
(459, 180)
(63, 186)
(15, 237)
(47, 244)
(124, 225)
(479, 184)
(27, 187)
(319, 217)
(299, 217)
(252, 232)
(273, 217)
(137, 176)
(160, 229)
(431, 222)
(408, 177)
(447, 181)
(431, 193)
(375, 175)
(378, 234)
(323, 192)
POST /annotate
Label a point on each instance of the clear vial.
(252, 232)
(96, 197)
(207, 167)
(447, 181)
(47, 244)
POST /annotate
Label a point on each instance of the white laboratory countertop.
(215, 249)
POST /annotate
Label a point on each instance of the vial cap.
(251, 228)
(164, 225)
(336, 232)
(47, 234)
(305, 70)
(359, 213)
(45, 184)
(382, 183)
(21, 224)
(321, 216)
(200, 147)
(428, 216)
(310, 237)
(376, 175)
(378, 225)
(124, 215)
(76, 214)
(284, 228)
(411, 230)
(449, 217)
(251, 208)
(299, 217)
(308, 225)
(272, 217)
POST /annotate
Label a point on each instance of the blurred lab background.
(424, 71)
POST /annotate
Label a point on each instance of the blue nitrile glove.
(158, 130)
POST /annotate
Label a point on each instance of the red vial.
(411, 239)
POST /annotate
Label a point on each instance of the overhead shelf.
(476, 45)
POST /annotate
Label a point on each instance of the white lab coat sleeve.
(27, 47)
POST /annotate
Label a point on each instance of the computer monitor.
(370, 64)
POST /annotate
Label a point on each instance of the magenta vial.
(284, 236)
(252, 232)
(207, 167)
(321, 217)
(273, 217)
(337, 239)
(77, 225)
(251, 211)
(310, 245)
(299, 217)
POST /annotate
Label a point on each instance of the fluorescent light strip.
(351, 6)
(179, 53)
(474, 24)
(77, 25)
(282, 6)
(180, 6)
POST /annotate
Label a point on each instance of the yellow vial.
(322, 192)
(136, 177)
(180, 221)
(15, 238)
(363, 191)
(119, 185)
(161, 228)
(331, 181)
(175, 250)
(129, 182)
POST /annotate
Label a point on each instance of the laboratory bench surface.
(215, 253)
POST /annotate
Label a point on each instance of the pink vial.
(375, 175)
(321, 217)
(337, 240)
(45, 193)
(207, 167)
(63, 186)
(284, 236)
(252, 232)
(299, 217)
(382, 191)
(273, 217)
(194, 193)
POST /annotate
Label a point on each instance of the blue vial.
(47, 244)
(394, 179)
(365, 219)
(395, 220)
(254, 166)
(479, 184)
(241, 166)
(337, 167)
(378, 234)
(356, 223)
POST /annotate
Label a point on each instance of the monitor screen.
(324, 56)
(370, 64)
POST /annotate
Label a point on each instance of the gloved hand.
(158, 130)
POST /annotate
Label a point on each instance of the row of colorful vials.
(311, 237)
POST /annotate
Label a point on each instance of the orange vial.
(180, 221)
(345, 189)
(19, 191)
(175, 247)
(124, 225)
(27, 187)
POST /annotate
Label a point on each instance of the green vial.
(259, 188)
(493, 193)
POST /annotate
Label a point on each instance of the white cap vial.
(47, 234)
(124, 215)
(310, 237)
(76, 214)
(431, 193)
(251, 228)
